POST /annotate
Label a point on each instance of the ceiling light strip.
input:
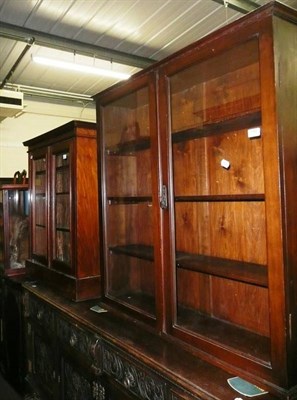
(72, 66)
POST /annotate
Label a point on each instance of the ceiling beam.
(57, 42)
(243, 6)
(15, 65)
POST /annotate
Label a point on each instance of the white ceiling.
(145, 30)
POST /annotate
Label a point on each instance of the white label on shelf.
(254, 132)
(225, 163)
(98, 309)
(64, 156)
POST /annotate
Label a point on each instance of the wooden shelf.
(62, 193)
(217, 198)
(226, 334)
(130, 147)
(241, 271)
(129, 200)
(237, 123)
(135, 250)
(62, 229)
(64, 167)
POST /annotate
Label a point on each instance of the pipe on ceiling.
(31, 91)
(243, 6)
(57, 42)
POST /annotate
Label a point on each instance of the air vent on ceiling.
(10, 103)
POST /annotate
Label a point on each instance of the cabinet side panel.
(286, 78)
(87, 208)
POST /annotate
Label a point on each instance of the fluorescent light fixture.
(72, 66)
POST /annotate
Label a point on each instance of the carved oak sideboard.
(74, 353)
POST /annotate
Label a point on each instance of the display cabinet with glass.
(14, 250)
(129, 144)
(64, 212)
(14, 228)
(224, 239)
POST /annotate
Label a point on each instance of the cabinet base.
(76, 289)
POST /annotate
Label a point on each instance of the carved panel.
(135, 378)
(41, 313)
(81, 340)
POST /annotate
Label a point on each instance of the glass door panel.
(216, 90)
(14, 227)
(39, 208)
(129, 253)
(61, 214)
(219, 202)
(18, 240)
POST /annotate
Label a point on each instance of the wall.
(38, 116)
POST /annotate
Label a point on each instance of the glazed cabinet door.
(219, 272)
(62, 248)
(39, 205)
(14, 228)
(130, 197)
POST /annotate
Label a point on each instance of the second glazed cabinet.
(198, 176)
(64, 212)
